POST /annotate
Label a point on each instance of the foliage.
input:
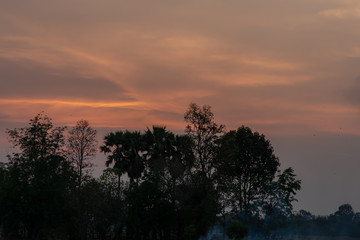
(160, 185)
(38, 183)
(108, 182)
(40, 140)
(202, 206)
(124, 149)
(280, 194)
(245, 167)
(204, 131)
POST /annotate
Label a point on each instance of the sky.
(287, 69)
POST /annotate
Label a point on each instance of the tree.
(41, 139)
(159, 148)
(81, 149)
(342, 220)
(203, 197)
(246, 166)
(155, 204)
(281, 193)
(276, 205)
(167, 155)
(39, 181)
(204, 131)
(109, 184)
(109, 213)
(345, 210)
(125, 150)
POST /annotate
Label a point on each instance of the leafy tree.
(341, 221)
(39, 181)
(203, 197)
(277, 202)
(41, 139)
(281, 194)
(246, 166)
(204, 131)
(345, 211)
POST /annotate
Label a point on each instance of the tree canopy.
(157, 185)
(38, 181)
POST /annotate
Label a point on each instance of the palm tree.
(125, 151)
(159, 148)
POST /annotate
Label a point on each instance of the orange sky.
(284, 68)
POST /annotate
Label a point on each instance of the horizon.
(314, 189)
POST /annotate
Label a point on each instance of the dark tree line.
(343, 222)
(158, 185)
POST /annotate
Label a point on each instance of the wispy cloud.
(70, 103)
(251, 61)
(342, 13)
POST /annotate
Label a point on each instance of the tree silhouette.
(39, 180)
(203, 130)
(176, 185)
(246, 166)
(81, 149)
(125, 152)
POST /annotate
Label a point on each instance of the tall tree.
(39, 140)
(39, 180)
(204, 131)
(125, 152)
(281, 193)
(168, 155)
(157, 204)
(246, 166)
(203, 198)
(159, 148)
(81, 147)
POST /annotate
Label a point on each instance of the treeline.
(158, 185)
(299, 225)
(343, 222)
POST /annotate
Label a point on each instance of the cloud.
(262, 62)
(26, 79)
(352, 93)
(167, 116)
(342, 13)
